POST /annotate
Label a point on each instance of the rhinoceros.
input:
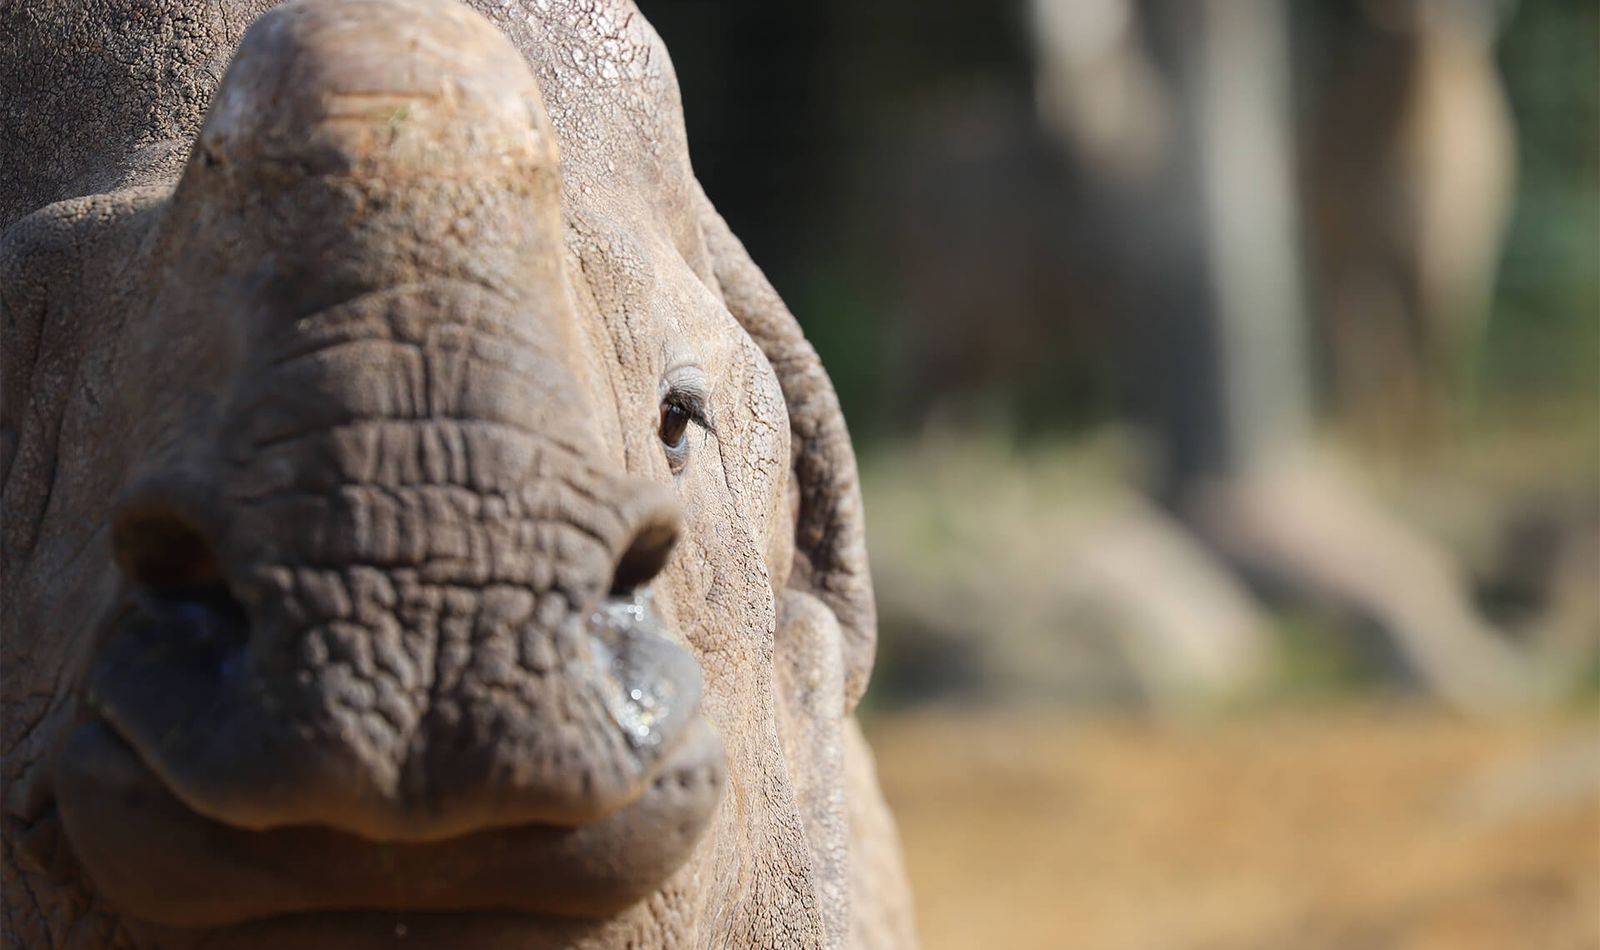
(424, 525)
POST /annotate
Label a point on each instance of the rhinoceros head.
(422, 520)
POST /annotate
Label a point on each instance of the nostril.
(159, 549)
(647, 549)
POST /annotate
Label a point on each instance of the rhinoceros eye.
(678, 410)
(674, 425)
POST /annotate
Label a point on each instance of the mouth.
(360, 930)
(160, 860)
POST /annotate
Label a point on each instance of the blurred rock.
(1047, 581)
(1304, 531)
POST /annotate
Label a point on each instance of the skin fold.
(424, 524)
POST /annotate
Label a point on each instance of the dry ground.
(1352, 828)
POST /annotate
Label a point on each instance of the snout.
(166, 704)
(408, 697)
(388, 639)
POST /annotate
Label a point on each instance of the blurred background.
(1225, 377)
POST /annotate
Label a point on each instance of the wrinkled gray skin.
(365, 583)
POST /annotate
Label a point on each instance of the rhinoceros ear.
(830, 539)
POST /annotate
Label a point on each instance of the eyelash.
(694, 405)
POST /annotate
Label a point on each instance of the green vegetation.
(1541, 356)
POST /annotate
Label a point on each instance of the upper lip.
(160, 860)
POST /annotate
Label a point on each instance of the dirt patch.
(1373, 828)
